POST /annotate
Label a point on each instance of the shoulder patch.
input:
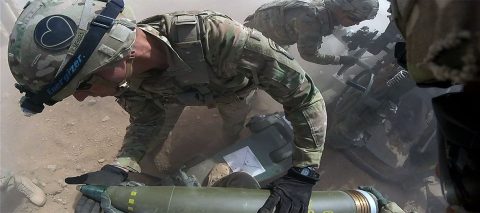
(55, 32)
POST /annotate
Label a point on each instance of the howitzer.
(362, 38)
(218, 199)
(368, 41)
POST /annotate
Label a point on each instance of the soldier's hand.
(384, 205)
(108, 175)
(87, 205)
(290, 194)
(347, 60)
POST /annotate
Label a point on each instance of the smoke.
(22, 135)
(237, 10)
(380, 22)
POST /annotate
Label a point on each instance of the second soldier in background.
(305, 23)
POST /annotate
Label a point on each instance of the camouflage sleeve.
(305, 109)
(283, 79)
(310, 33)
(145, 123)
(235, 49)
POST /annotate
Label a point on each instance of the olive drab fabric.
(240, 60)
(442, 39)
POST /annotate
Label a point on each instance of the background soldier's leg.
(170, 117)
(234, 116)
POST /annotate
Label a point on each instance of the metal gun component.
(362, 38)
(217, 199)
(399, 77)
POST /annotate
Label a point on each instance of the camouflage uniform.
(442, 48)
(305, 23)
(241, 60)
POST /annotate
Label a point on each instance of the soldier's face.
(110, 78)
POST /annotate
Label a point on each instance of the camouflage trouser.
(234, 52)
(233, 116)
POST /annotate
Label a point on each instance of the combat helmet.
(360, 9)
(443, 40)
(57, 44)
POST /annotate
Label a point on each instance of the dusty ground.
(72, 138)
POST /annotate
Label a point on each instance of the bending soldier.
(157, 67)
(305, 23)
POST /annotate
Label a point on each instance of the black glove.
(108, 176)
(291, 193)
(382, 201)
(347, 60)
(400, 53)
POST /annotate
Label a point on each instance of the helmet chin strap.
(122, 86)
(129, 68)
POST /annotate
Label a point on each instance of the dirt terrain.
(73, 137)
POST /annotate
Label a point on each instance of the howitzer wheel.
(357, 88)
(345, 105)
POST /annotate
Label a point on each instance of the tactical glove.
(347, 60)
(291, 193)
(384, 205)
(87, 205)
(400, 53)
(108, 176)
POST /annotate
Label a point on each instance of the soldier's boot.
(218, 172)
(30, 190)
(5, 181)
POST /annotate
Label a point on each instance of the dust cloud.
(72, 138)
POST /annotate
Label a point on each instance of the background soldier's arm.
(305, 109)
(146, 120)
(309, 31)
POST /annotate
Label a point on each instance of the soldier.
(442, 49)
(157, 67)
(305, 22)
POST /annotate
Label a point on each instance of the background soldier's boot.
(30, 190)
(218, 172)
